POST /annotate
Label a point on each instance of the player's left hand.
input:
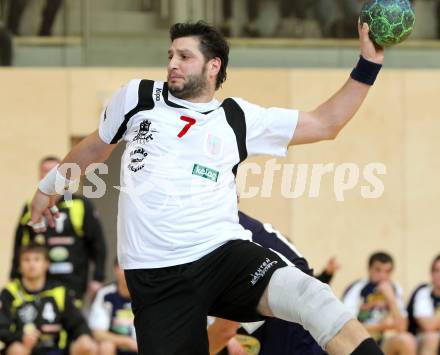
(369, 50)
(332, 266)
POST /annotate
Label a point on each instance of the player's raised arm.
(91, 149)
(329, 118)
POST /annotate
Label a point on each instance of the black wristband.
(365, 71)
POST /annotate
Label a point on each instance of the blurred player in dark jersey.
(38, 316)
(111, 318)
(424, 312)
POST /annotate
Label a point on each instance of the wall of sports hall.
(397, 129)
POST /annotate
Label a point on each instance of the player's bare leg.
(106, 348)
(84, 345)
(400, 344)
(17, 348)
(429, 343)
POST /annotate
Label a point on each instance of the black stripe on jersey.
(235, 117)
(413, 326)
(173, 104)
(145, 102)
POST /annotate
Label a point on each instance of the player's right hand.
(387, 290)
(31, 339)
(41, 212)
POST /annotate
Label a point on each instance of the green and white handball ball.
(390, 21)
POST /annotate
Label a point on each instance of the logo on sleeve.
(205, 172)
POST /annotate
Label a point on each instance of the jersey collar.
(203, 107)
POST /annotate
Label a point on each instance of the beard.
(194, 86)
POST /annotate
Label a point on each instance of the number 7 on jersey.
(189, 122)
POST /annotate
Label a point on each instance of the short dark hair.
(436, 259)
(381, 257)
(49, 158)
(34, 248)
(212, 43)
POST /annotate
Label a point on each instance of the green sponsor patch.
(204, 172)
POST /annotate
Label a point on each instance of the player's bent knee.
(400, 342)
(430, 337)
(300, 298)
(408, 340)
(16, 348)
(84, 345)
(430, 340)
(106, 348)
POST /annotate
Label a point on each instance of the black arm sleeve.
(73, 321)
(325, 277)
(21, 229)
(95, 242)
(6, 334)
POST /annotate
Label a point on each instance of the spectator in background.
(111, 318)
(16, 8)
(5, 47)
(424, 312)
(250, 29)
(329, 270)
(76, 240)
(38, 316)
(290, 11)
(338, 18)
(292, 17)
(438, 19)
(377, 302)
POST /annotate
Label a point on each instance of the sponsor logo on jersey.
(137, 157)
(213, 145)
(49, 312)
(123, 321)
(61, 268)
(51, 328)
(262, 270)
(58, 254)
(144, 133)
(28, 313)
(61, 240)
(158, 93)
(205, 172)
(40, 239)
(143, 136)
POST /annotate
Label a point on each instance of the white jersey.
(110, 312)
(368, 304)
(426, 304)
(178, 196)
